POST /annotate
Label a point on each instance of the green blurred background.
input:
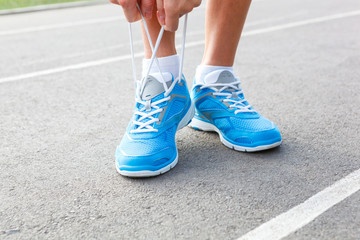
(10, 4)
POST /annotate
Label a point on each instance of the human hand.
(131, 11)
(169, 11)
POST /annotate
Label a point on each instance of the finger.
(171, 22)
(160, 11)
(147, 8)
(114, 1)
(131, 12)
(197, 3)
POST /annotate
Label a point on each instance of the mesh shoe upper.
(150, 146)
(220, 101)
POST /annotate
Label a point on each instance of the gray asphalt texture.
(59, 132)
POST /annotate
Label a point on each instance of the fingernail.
(161, 17)
(162, 20)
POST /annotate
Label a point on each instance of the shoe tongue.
(154, 86)
(220, 76)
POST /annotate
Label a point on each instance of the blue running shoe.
(163, 106)
(220, 106)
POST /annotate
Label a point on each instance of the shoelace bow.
(151, 108)
(232, 92)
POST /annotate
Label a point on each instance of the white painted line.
(62, 25)
(297, 217)
(68, 68)
(304, 22)
(74, 24)
(66, 25)
(78, 54)
(189, 44)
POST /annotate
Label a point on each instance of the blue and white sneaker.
(148, 147)
(220, 106)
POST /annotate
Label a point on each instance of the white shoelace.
(145, 112)
(232, 97)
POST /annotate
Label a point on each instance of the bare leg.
(167, 44)
(223, 23)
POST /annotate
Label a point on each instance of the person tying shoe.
(163, 102)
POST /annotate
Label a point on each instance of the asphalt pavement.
(66, 96)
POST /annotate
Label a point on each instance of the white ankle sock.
(203, 70)
(167, 64)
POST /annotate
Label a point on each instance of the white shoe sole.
(204, 126)
(184, 122)
(148, 173)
